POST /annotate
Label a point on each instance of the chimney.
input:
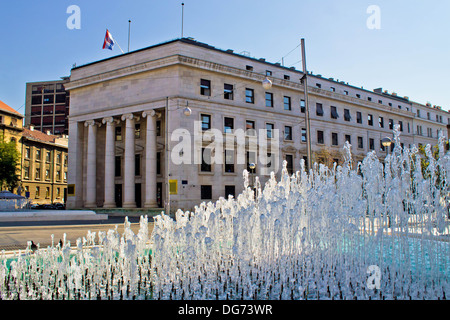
(31, 127)
(48, 132)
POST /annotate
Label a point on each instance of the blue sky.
(409, 54)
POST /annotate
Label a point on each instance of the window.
(318, 85)
(58, 158)
(334, 139)
(58, 192)
(400, 123)
(228, 91)
(137, 165)
(428, 116)
(158, 128)
(205, 87)
(347, 116)
(371, 144)
(36, 100)
(228, 125)
(286, 77)
(381, 122)
(369, 98)
(358, 117)
(333, 111)
(418, 113)
(250, 128)
(287, 133)
(269, 129)
(370, 120)
(332, 89)
(269, 99)
(27, 153)
(229, 161)
(118, 133)
(38, 192)
(287, 103)
(358, 96)
(320, 137)
(249, 68)
(380, 101)
(137, 130)
(48, 99)
(319, 109)
(47, 174)
(206, 160)
(303, 134)
(346, 92)
(302, 106)
(58, 175)
(158, 163)
(230, 191)
(268, 73)
(37, 173)
(206, 192)
(118, 167)
(206, 122)
(26, 172)
(290, 163)
(360, 143)
(38, 154)
(249, 96)
(391, 124)
(348, 138)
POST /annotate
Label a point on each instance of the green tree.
(9, 162)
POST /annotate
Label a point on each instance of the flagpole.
(129, 26)
(182, 18)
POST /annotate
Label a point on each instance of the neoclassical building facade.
(130, 112)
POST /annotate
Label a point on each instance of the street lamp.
(386, 142)
(252, 167)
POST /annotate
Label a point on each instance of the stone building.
(44, 166)
(126, 108)
(11, 123)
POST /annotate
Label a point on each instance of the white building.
(118, 127)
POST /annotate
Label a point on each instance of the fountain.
(377, 231)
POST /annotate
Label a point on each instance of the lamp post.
(386, 142)
(252, 167)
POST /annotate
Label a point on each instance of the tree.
(9, 162)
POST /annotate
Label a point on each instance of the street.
(15, 237)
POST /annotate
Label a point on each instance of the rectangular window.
(303, 134)
(347, 116)
(205, 87)
(206, 192)
(251, 158)
(358, 117)
(206, 160)
(228, 125)
(286, 77)
(118, 133)
(137, 165)
(230, 191)
(38, 154)
(268, 73)
(38, 192)
(318, 85)
(47, 174)
(26, 172)
(228, 91)
(206, 122)
(302, 106)
(381, 122)
(332, 89)
(158, 163)
(371, 144)
(229, 161)
(249, 68)
(320, 137)
(249, 95)
(118, 167)
(27, 153)
(360, 143)
(269, 130)
(287, 133)
(370, 120)
(290, 163)
(334, 139)
(400, 123)
(287, 103)
(250, 128)
(36, 100)
(269, 99)
(319, 109)
(333, 112)
(348, 138)
(391, 124)
(137, 130)
(37, 173)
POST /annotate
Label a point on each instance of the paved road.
(16, 237)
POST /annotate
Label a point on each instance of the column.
(150, 160)
(109, 162)
(91, 166)
(129, 200)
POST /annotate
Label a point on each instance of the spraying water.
(376, 231)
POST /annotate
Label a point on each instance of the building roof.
(38, 135)
(5, 107)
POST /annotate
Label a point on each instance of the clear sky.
(408, 54)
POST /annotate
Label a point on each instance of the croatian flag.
(108, 43)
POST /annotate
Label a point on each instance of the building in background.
(47, 106)
(125, 109)
(44, 166)
(11, 123)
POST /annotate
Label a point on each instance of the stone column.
(109, 162)
(129, 199)
(91, 165)
(150, 160)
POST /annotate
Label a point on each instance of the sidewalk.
(50, 215)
